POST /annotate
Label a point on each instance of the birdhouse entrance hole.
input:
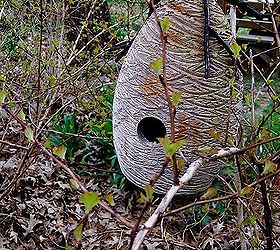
(150, 128)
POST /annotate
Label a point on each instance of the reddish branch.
(147, 204)
(163, 80)
(172, 111)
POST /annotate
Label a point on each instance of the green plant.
(118, 179)
(68, 134)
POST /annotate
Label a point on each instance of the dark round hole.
(151, 128)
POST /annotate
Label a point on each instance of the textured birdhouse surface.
(207, 107)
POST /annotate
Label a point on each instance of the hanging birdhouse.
(202, 71)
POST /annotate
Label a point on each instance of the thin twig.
(228, 152)
(39, 74)
(266, 83)
(13, 145)
(175, 211)
(163, 80)
(21, 168)
(240, 211)
(147, 204)
(274, 25)
(253, 90)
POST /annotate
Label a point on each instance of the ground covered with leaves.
(43, 210)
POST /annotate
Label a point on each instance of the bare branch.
(164, 203)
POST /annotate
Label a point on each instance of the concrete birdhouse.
(208, 106)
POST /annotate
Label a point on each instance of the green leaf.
(174, 147)
(219, 207)
(60, 151)
(165, 143)
(269, 167)
(230, 141)
(90, 200)
(165, 24)
(78, 232)
(181, 164)
(176, 96)
(142, 199)
(215, 134)
(234, 93)
(110, 199)
(47, 144)
(29, 134)
(210, 194)
(170, 148)
(244, 46)
(149, 192)
(21, 115)
(74, 184)
(205, 208)
(2, 97)
(251, 219)
(205, 149)
(275, 97)
(232, 81)
(235, 48)
(246, 190)
(156, 65)
(270, 81)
